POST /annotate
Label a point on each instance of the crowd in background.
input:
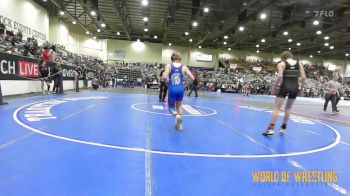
(237, 75)
(14, 43)
(228, 80)
(238, 80)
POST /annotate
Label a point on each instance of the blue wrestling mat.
(104, 143)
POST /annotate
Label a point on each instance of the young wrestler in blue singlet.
(173, 75)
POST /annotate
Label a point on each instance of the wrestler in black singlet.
(290, 85)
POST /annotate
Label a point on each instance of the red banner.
(28, 69)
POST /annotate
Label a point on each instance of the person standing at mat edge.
(173, 75)
(340, 90)
(332, 93)
(44, 77)
(289, 71)
(1, 100)
(76, 79)
(194, 86)
(163, 88)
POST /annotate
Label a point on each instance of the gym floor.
(123, 142)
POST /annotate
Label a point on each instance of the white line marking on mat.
(133, 106)
(336, 142)
(16, 140)
(148, 158)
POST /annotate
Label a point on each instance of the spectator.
(60, 77)
(163, 88)
(76, 79)
(331, 95)
(44, 77)
(46, 55)
(56, 78)
(194, 86)
(84, 76)
(114, 76)
(95, 83)
(2, 28)
(339, 94)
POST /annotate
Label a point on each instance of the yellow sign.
(303, 176)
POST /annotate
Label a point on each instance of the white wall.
(189, 56)
(340, 64)
(16, 87)
(154, 52)
(168, 50)
(195, 52)
(347, 70)
(84, 45)
(75, 39)
(58, 32)
(255, 57)
(135, 51)
(334, 62)
(302, 59)
(233, 54)
(27, 13)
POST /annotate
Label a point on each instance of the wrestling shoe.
(178, 122)
(268, 132)
(282, 131)
(180, 127)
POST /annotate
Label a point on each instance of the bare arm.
(303, 77)
(166, 73)
(280, 67)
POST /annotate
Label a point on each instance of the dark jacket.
(195, 82)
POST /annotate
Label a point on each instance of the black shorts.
(292, 93)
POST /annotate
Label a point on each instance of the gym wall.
(135, 51)
(167, 51)
(27, 16)
(34, 20)
(74, 38)
(78, 42)
(347, 69)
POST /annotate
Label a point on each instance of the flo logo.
(324, 13)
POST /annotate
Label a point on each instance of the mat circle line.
(133, 106)
(333, 144)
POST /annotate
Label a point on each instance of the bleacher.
(129, 74)
(14, 43)
(239, 75)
